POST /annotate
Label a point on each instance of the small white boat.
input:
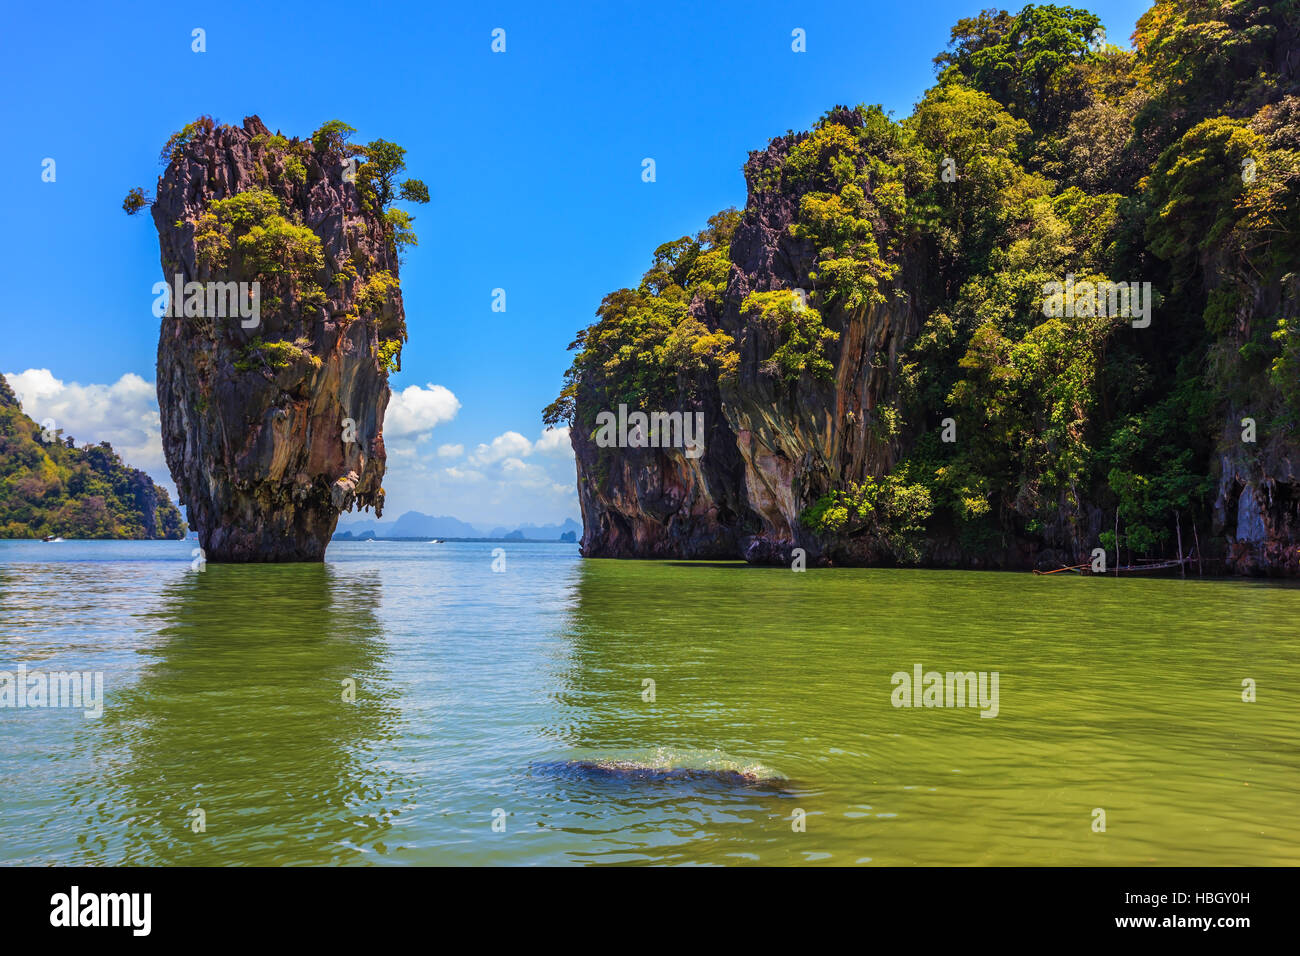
(51, 539)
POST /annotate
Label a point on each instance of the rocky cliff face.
(659, 503)
(799, 442)
(1257, 503)
(272, 424)
(779, 447)
(772, 448)
(885, 370)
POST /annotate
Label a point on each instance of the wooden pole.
(1178, 524)
(1197, 539)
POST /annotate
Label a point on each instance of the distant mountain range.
(416, 524)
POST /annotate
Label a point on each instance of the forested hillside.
(49, 486)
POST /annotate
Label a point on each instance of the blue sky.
(533, 160)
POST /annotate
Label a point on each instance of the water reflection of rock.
(242, 715)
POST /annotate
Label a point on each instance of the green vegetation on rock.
(1041, 152)
(648, 347)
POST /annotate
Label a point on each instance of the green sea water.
(483, 698)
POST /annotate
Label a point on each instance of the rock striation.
(1257, 486)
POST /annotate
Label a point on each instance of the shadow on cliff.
(242, 714)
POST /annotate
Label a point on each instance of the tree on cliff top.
(647, 347)
(377, 175)
(1027, 62)
(377, 178)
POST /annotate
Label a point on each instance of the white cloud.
(521, 474)
(124, 414)
(414, 411)
(512, 445)
(508, 480)
(505, 445)
(554, 441)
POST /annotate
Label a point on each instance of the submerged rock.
(272, 423)
(721, 770)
